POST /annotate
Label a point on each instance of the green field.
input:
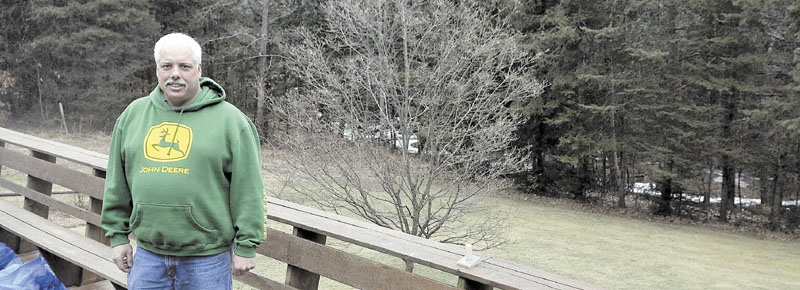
(623, 253)
(608, 251)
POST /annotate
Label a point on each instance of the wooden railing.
(305, 252)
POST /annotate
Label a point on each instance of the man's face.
(178, 74)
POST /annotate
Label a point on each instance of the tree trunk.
(539, 147)
(728, 190)
(606, 176)
(261, 105)
(619, 182)
(709, 184)
(39, 89)
(738, 178)
(666, 197)
(584, 181)
(777, 196)
(665, 206)
(616, 125)
(763, 188)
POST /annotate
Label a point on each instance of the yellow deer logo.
(168, 142)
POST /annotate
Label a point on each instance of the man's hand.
(241, 265)
(123, 257)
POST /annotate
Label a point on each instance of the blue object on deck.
(7, 257)
(33, 275)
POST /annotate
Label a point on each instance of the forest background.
(696, 98)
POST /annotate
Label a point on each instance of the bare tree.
(6, 81)
(243, 43)
(383, 76)
(271, 11)
(262, 71)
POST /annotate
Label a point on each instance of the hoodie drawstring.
(175, 134)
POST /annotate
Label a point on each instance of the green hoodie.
(185, 181)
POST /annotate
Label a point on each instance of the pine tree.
(594, 90)
(774, 118)
(94, 57)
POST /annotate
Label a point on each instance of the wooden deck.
(83, 261)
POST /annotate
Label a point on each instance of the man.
(184, 176)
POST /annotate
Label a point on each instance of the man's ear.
(200, 70)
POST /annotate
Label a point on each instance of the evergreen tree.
(672, 125)
(558, 35)
(593, 90)
(93, 57)
(775, 117)
(23, 96)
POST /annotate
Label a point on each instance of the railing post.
(298, 277)
(464, 283)
(68, 273)
(95, 232)
(7, 237)
(92, 231)
(43, 187)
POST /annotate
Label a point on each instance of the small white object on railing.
(469, 260)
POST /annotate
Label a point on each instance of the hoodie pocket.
(171, 227)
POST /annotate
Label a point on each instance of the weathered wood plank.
(67, 244)
(53, 203)
(67, 272)
(261, 282)
(60, 150)
(100, 285)
(546, 279)
(359, 233)
(60, 192)
(54, 173)
(298, 277)
(96, 232)
(28, 256)
(364, 234)
(341, 266)
(39, 185)
(11, 240)
(358, 223)
(77, 239)
(425, 252)
(2, 145)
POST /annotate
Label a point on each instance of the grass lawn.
(623, 253)
(608, 251)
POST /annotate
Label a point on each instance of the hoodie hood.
(210, 93)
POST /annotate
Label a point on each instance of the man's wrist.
(117, 240)
(245, 252)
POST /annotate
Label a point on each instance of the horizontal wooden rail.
(78, 181)
(11, 193)
(304, 251)
(491, 271)
(67, 152)
(50, 237)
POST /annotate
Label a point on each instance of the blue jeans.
(154, 271)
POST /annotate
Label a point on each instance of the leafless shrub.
(385, 71)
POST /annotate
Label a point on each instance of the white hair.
(197, 52)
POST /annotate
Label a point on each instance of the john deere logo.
(168, 142)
